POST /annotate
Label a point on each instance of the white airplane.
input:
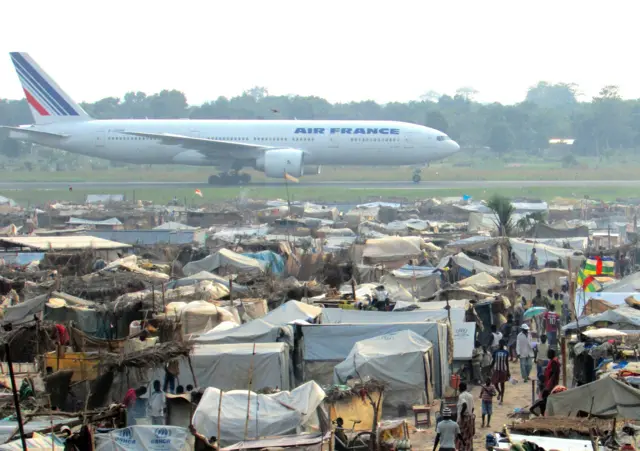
(276, 147)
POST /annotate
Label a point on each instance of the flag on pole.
(588, 283)
(290, 178)
(198, 193)
(599, 266)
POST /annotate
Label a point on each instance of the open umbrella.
(533, 312)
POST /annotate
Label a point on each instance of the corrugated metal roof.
(55, 243)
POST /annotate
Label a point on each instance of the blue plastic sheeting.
(21, 258)
(275, 261)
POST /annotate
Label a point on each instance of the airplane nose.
(454, 146)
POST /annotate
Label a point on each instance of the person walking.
(552, 372)
(466, 419)
(524, 349)
(447, 431)
(487, 392)
(551, 323)
(157, 404)
(541, 351)
(501, 373)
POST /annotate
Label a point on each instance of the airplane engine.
(276, 162)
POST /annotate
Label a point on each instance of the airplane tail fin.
(48, 103)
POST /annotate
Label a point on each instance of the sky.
(348, 50)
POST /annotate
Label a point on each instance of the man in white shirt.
(496, 337)
(524, 349)
(465, 397)
(157, 404)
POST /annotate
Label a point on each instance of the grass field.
(320, 194)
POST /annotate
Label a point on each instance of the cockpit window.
(443, 138)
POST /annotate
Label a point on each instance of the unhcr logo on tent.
(162, 436)
(125, 437)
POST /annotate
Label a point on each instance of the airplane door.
(334, 141)
(408, 140)
(100, 138)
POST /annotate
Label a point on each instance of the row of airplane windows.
(375, 139)
(235, 139)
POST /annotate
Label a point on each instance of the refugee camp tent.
(541, 230)
(481, 279)
(466, 265)
(403, 360)
(292, 311)
(522, 250)
(394, 251)
(425, 311)
(170, 438)
(622, 318)
(230, 366)
(256, 331)
(276, 414)
(326, 345)
(272, 261)
(205, 275)
(606, 397)
(197, 317)
(228, 261)
(628, 284)
(420, 282)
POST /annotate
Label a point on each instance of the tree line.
(549, 110)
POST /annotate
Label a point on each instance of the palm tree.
(503, 210)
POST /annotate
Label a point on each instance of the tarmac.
(391, 185)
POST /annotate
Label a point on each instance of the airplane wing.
(19, 132)
(210, 147)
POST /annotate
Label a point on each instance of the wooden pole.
(193, 374)
(231, 289)
(16, 399)
(219, 414)
(353, 289)
(563, 351)
(246, 423)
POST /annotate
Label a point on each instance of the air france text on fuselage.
(348, 131)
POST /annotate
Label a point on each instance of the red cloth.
(129, 398)
(552, 366)
(551, 319)
(63, 335)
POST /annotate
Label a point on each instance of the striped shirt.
(487, 393)
(501, 360)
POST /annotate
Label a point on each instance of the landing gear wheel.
(416, 178)
(244, 179)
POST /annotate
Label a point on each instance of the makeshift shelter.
(622, 318)
(402, 360)
(270, 260)
(326, 345)
(205, 275)
(228, 262)
(230, 366)
(292, 311)
(424, 311)
(523, 249)
(606, 397)
(394, 252)
(541, 230)
(197, 317)
(465, 266)
(276, 414)
(421, 283)
(256, 331)
(170, 438)
(481, 280)
(595, 305)
(527, 281)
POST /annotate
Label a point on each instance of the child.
(487, 392)
(486, 363)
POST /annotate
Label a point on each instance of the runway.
(364, 185)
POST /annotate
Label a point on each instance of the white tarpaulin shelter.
(326, 345)
(232, 262)
(228, 366)
(292, 311)
(420, 283)
(269, 415)
(197, 317)
(340, 316)
(522, 250)
(143, 438)
(469, 264)
(606, 397)
(402, 359)
(256, 331)
(392, 248)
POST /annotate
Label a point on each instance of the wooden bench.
(418, 410)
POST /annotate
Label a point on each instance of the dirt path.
(518, 395)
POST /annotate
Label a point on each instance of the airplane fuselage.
(328, 142)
